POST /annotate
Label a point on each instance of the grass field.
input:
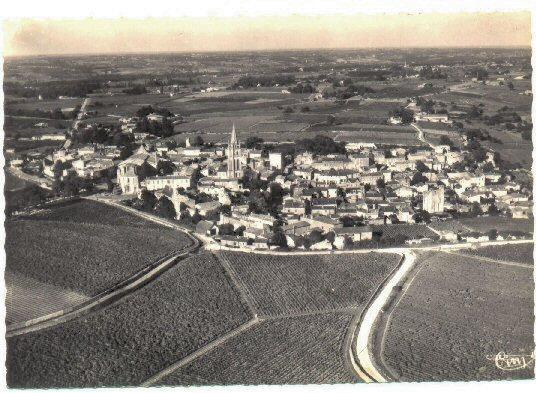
(455, 314)
(296, 350)
(187, 307)
(282, 284)
(521, 253)
(86, 246)
(411, 231)
(484, 224)
(513, 148)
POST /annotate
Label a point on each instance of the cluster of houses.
(91, 161)
(328, 201)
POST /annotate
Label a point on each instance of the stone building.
(433, 200)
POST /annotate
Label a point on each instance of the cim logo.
(511, 362)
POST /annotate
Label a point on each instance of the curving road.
(361, 359)
(361, 349)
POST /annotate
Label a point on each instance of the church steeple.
(233, 157)
(233, 136)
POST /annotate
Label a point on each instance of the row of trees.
(52, 89)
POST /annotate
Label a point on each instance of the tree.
(417, 178)
(406, 115)
(315, 236)
(171, 144)
(165, 208)
(275, 197)
(422, 216)
(419, 165)
(380, 183)
(279, 239)
(197, 141)
(165, 167)
(492, 233)
(445, 140)
(167, 128)
(479, 154)
(511, 86)
(58, 168)
(126, 152)
(527, 135)
(226, 229)
(288, 109)
(476, 209)
(253, 142)
(148, 201)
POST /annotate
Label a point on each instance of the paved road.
(367, 370)
(81, 114)
(420, 135)
(41, 182)
(213, 246)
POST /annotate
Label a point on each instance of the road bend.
(362, 357)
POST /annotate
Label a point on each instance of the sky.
(195, 34)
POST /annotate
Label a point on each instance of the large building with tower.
(234, 165)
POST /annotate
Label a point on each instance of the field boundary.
(241, 288)
(103, 299)
(200, 352)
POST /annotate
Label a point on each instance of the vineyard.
(27, 298)
(187, 307)
(455, 314)
(86, 247)
(281, 284)
(296, 350)
(521, 253)
(91, 212)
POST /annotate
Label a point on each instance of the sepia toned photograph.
(298, 199)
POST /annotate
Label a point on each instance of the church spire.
(233, 156)
(233, 135)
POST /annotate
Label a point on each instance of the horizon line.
(88, 54)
